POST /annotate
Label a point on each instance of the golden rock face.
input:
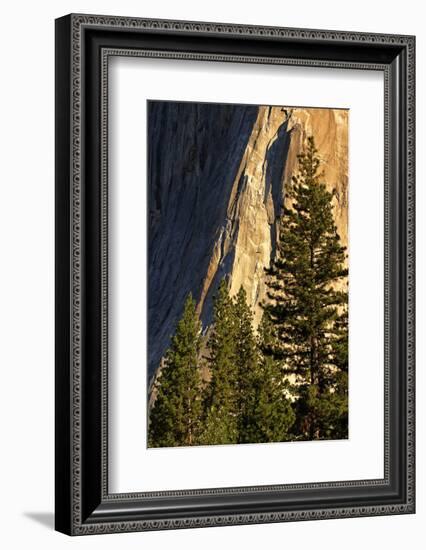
(254, 203)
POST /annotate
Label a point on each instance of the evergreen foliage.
(306, 310)
(221, 396)
(247, 360)
(176, 414)
(271, 415)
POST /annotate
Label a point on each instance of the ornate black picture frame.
(84, 44)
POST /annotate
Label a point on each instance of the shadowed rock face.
(194, 153)
(216, 180)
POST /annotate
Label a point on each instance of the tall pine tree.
(270, 415)
(264, 410)
(341, 387)
(221, 397)
(175, 417)
(306, 308)
(247, 360)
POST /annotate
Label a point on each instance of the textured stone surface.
(216, 181)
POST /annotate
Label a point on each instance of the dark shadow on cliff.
(276, 160)
(194, 152)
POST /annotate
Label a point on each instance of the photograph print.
(247, 274)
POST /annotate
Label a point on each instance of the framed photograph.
(234, 274)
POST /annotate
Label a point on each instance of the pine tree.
(340, 342)
(305, 306)
(247, 361)
(176, 414)
(271, 415)
(221, 398)
(341, 390)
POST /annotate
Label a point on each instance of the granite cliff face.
(216, 183)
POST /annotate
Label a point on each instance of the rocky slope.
(217, 176)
